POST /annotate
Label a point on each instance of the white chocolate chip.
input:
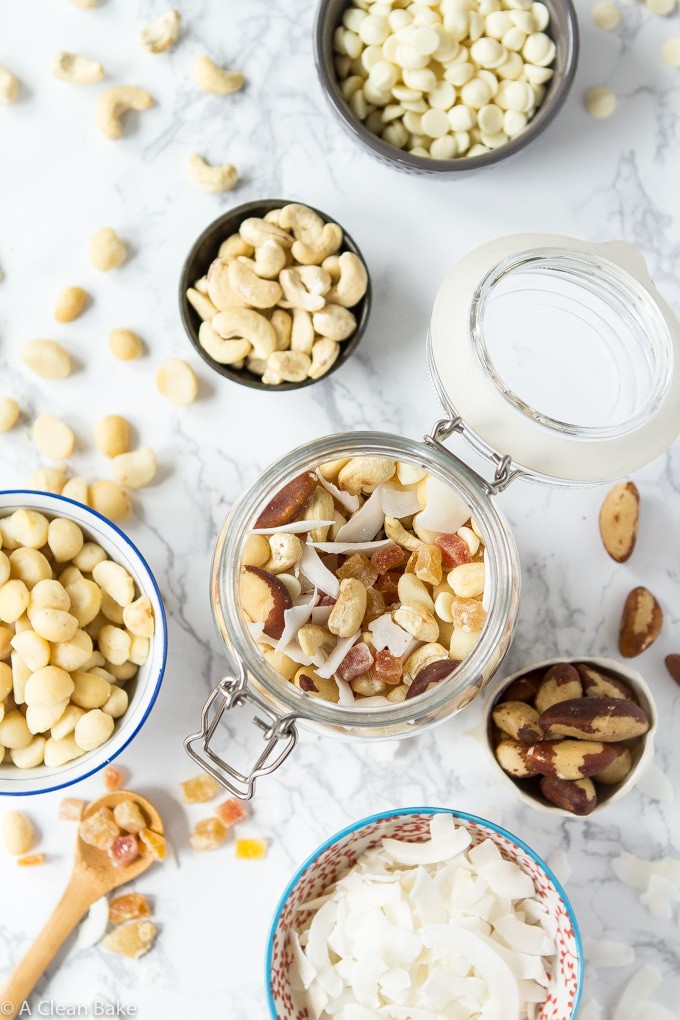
(607, 15)
(600, 102)
(671, 51)
(660, 7)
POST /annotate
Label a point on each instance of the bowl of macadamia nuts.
(274, 295)
(83, 642)
(571, 736)
(445, 86)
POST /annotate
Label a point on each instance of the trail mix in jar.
(363, 581)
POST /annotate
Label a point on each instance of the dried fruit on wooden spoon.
(619, 520)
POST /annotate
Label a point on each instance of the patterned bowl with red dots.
(341, 851)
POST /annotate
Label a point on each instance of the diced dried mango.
(99, 830)
(251, 849)
(71, 809)
(389, 558)
(113, 777)
(231, 811)
(428, 564)
(129, 816)
(467, 614)
(128, 908)
(200, 789)
(359, 567)
(154, 843)
(357, 662)
(388, 586)
(454, 550)
(208, 834)
(387, 667)
(375, 606)
(31, 860)
(124, 850)
(131, 940)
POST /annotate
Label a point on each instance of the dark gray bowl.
(563, 30)
(204, 251)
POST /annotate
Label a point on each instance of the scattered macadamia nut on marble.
(71, 303)
(9, 87)
(18, 834)
(125, 344)
(46, 358)
(53, 437)
(51, 479)
(107, 250)
(177, 381)
(9, 413)
(110, 500)
(113, 435)
(136, 469)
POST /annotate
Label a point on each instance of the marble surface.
(60, 181)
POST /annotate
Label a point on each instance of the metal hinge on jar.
(233, 692)
(504, 473)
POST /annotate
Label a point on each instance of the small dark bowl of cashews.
(446, 86)
(571, 736)
(275, 295)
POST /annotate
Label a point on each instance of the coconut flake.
(256, 631)
(317, 573)
(506, 878)
(559, 865)
(605, 953)
(444, 510)
(345, 499)
(638, 989)
(442, 847)
(659, 895)
(654, 1011)
(365, 524)
(294, 618)
(346, 698)
(399, 502)
(348, 548)
(341, 649)
(93, 929)
(655, 784)
(387, 634)
(320, 614)
(591, 1010)
(294, 528)
(636, 872)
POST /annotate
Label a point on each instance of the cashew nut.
(315, 279)
(334, 322)
(254, 291)
(107, 250)
(418, 621)
(296, 292)
(286, 551)
(213, 178)
(270, 259)
(85, 4)
(113, 103)
(9, 86)
(202, 304)
(320, 508)
(289, 366)
(256, 231)
(365, 474)
(422, 657)
(283, 324)
(75, 69)
(233, 247)
(305, 224)
(258, 366)
(247, 324)
(353, 281)
(161, 33)
(395, 530)
(273, 216)
(302, 333)
(312, 253)
(220, 291)
(332, 266)
(212, 78)
(348, 611)
(225, 352)
(324, 355)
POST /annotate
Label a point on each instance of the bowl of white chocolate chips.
(82, 642)
(446, 85)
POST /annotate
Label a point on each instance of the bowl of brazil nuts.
(448, 85)
(274, 295)
(571, 736)
(83, 642)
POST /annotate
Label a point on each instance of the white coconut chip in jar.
(399, 502)
(444, 510)
(294, 528)
(350, 502)
(317, 573)
(365, 524)
(349, 548)
(388, 634)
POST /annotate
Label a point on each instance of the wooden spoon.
(93, 876)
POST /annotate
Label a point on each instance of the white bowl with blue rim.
(334, 857)
(142, 689)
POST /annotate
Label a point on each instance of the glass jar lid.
(560, 354)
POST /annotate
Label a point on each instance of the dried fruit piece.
(467, 614)
(578, 796)
(608, 719)
(154, 843)
(375, 607)
(129, 817)
(71, 809)
(641, 622)
(200, 789)
(251, 849)
(673, 667)
(231, 811)
(289, 502)
(360, 567)
(454, 550)
(428, 564)
(131, 940)
(99, 830)
(619, 518)
(358, 661)
(387, 667)
(124, 850)
(128, 908)
(31, 860)
(388, 586)
(389, 558)
(265, 599)
(208, 834)
(112, 777)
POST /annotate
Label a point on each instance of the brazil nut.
(570, 759)
(606, 719)
(575, 795)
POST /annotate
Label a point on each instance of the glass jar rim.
(503, 567)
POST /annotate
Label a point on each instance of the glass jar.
(501, 318)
